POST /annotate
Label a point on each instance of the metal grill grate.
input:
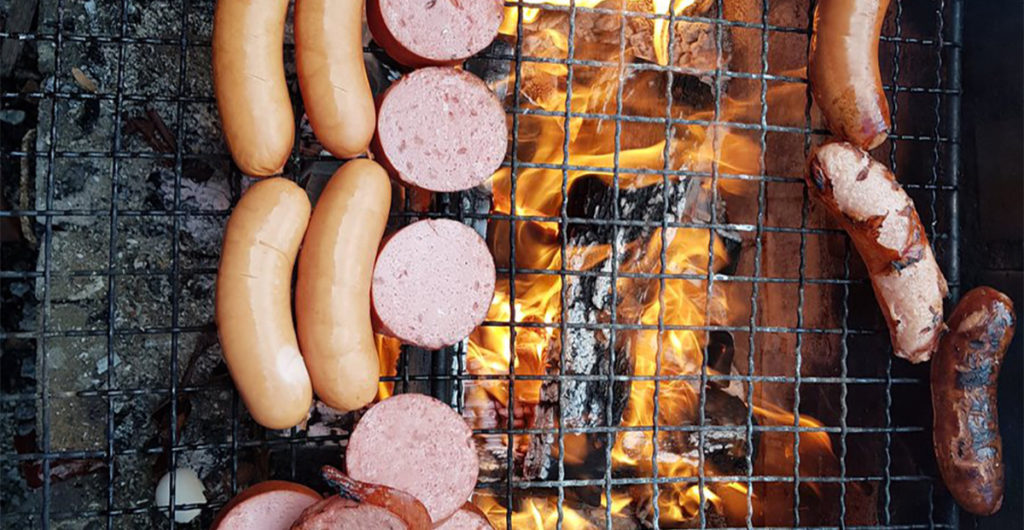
(56, 301)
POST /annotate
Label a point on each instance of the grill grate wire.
(940, 191)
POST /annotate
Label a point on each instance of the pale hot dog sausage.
(332, 75)
(248, 80)
(332, 296)
(253, 302)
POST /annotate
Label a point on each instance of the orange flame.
(595, 148)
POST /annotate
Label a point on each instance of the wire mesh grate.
(106, 274)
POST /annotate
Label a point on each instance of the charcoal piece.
(589, 349)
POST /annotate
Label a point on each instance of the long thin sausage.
(253, 302)
(864, 197)
(332, 75)
(843, 70)
(965, 371)
(248, 80)
(332, 296)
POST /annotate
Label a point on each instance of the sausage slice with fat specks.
(419, 445)
(864, 197)
(433, 32)
(398, 502)
(270, 505)
(440, 129)
(432, 283)
(338, 513)
(469, 517)
(965, 372)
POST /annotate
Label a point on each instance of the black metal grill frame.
(942, 188)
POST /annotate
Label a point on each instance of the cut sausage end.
(469, 517)
(433, 283)
(336, 512)
(419, 445)
(271, 505)
(433, 32)
(441, 129)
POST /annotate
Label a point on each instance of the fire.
(684, 303)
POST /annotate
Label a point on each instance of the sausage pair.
(332, 295)
(249, 79)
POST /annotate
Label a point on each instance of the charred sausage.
(332, 75)
(332, 294)
(417, 444)
(248, 80)
(440, 129)
(398, 502)
(864, 197)
(433, 283)
(435, 32)
(965, 370)
(253, 302)
(843, 70)
(270, 505)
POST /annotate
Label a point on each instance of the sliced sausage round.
(433, 32)
(419, 445)
(440, 129)
(338, 513)
(270, 505)
(469, 517)
(432, 283)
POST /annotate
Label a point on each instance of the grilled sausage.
(419, 445)
(433, 283)
(843, 70)
(864, 197)
(270, 505)
(433, 32)
(332, 294)
(338, 513)
(332, 75)
(253, 302)
(965, 370)
(248, 80)
(440, 129)
(469, 517)
(398, 502)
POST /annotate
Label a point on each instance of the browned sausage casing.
(254, 303)
(332, 75)
(880, 218)
(248, 79)
(843, 70)
(968, 447)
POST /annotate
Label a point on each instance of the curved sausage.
(270, 505)
(433, 283)
(965, 372)
(433, 32)
(398, 502)
(332, 294)
(253, 302)
(843, 70)
(469, 517)
(338, 513)
(864, 197)
(419, 445)
(440, 129)
(248, 80)
(332, 75)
